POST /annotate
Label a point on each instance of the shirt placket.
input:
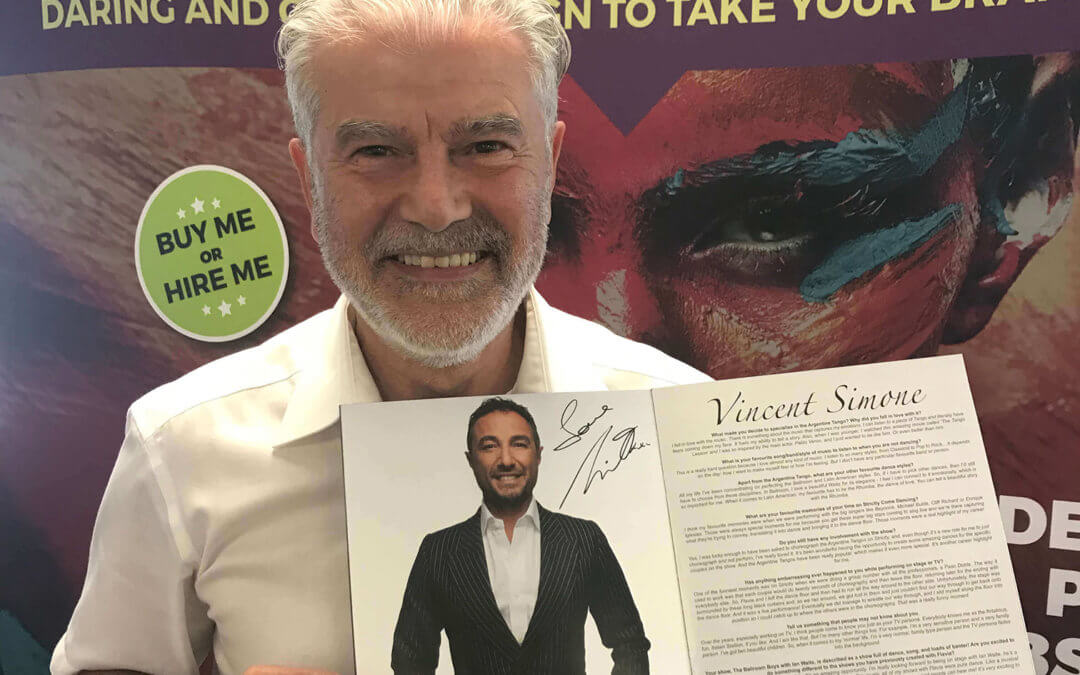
(517, 604)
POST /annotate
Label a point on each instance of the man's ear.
(557, 135)
(303, 172)
(1025, 112)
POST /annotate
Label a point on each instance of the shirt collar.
(334, 372)
(531, 515)
(561, 356)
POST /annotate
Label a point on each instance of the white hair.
(415, 23)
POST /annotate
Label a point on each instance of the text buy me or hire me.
(214, 279)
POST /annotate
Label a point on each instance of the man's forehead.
(445, 82)
(358, 131)
(503, 418)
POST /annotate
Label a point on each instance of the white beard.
(436, 341)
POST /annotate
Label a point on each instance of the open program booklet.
(832, 521)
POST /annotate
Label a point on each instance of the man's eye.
(757, 220)
(374, 151)
(769, 230)
(488, 147)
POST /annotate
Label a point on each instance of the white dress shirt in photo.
(513, 566)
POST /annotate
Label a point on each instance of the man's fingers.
(283, 670)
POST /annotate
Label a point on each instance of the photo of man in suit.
(512, 584)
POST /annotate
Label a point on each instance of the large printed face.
(429, 179)
(775, 219)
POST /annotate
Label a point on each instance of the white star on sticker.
(197, 205)
(206, 310)
(242, 300)
(179, 213)
(224, 308)
(216, 203)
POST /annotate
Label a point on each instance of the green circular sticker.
(211, 253)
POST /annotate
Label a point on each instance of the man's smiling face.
(430, 185)
(774, 219)
(505, 458)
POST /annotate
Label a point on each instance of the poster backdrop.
(753, 186)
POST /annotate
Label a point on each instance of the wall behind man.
(86, 135)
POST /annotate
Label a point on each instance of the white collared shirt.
(223, 524)
(513, 566)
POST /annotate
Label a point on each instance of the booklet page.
(408, 479)
(840, 520)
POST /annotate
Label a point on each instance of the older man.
(426, 153)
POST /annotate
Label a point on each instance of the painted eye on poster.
(211, 253)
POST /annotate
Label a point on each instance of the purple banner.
(627, 52)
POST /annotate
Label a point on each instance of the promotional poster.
(751, 186)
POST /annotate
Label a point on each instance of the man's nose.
(505, 459)
(436, 196)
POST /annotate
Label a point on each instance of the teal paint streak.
(854, 258)
(993, 208)
(675, 182)
(880, 158)
(891, 157)
(944, 128)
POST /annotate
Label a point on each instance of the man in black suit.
(511, 585)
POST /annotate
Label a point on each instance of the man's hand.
(282, 670)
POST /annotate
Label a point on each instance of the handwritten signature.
(623, 439)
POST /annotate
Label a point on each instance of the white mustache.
(477, 233)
